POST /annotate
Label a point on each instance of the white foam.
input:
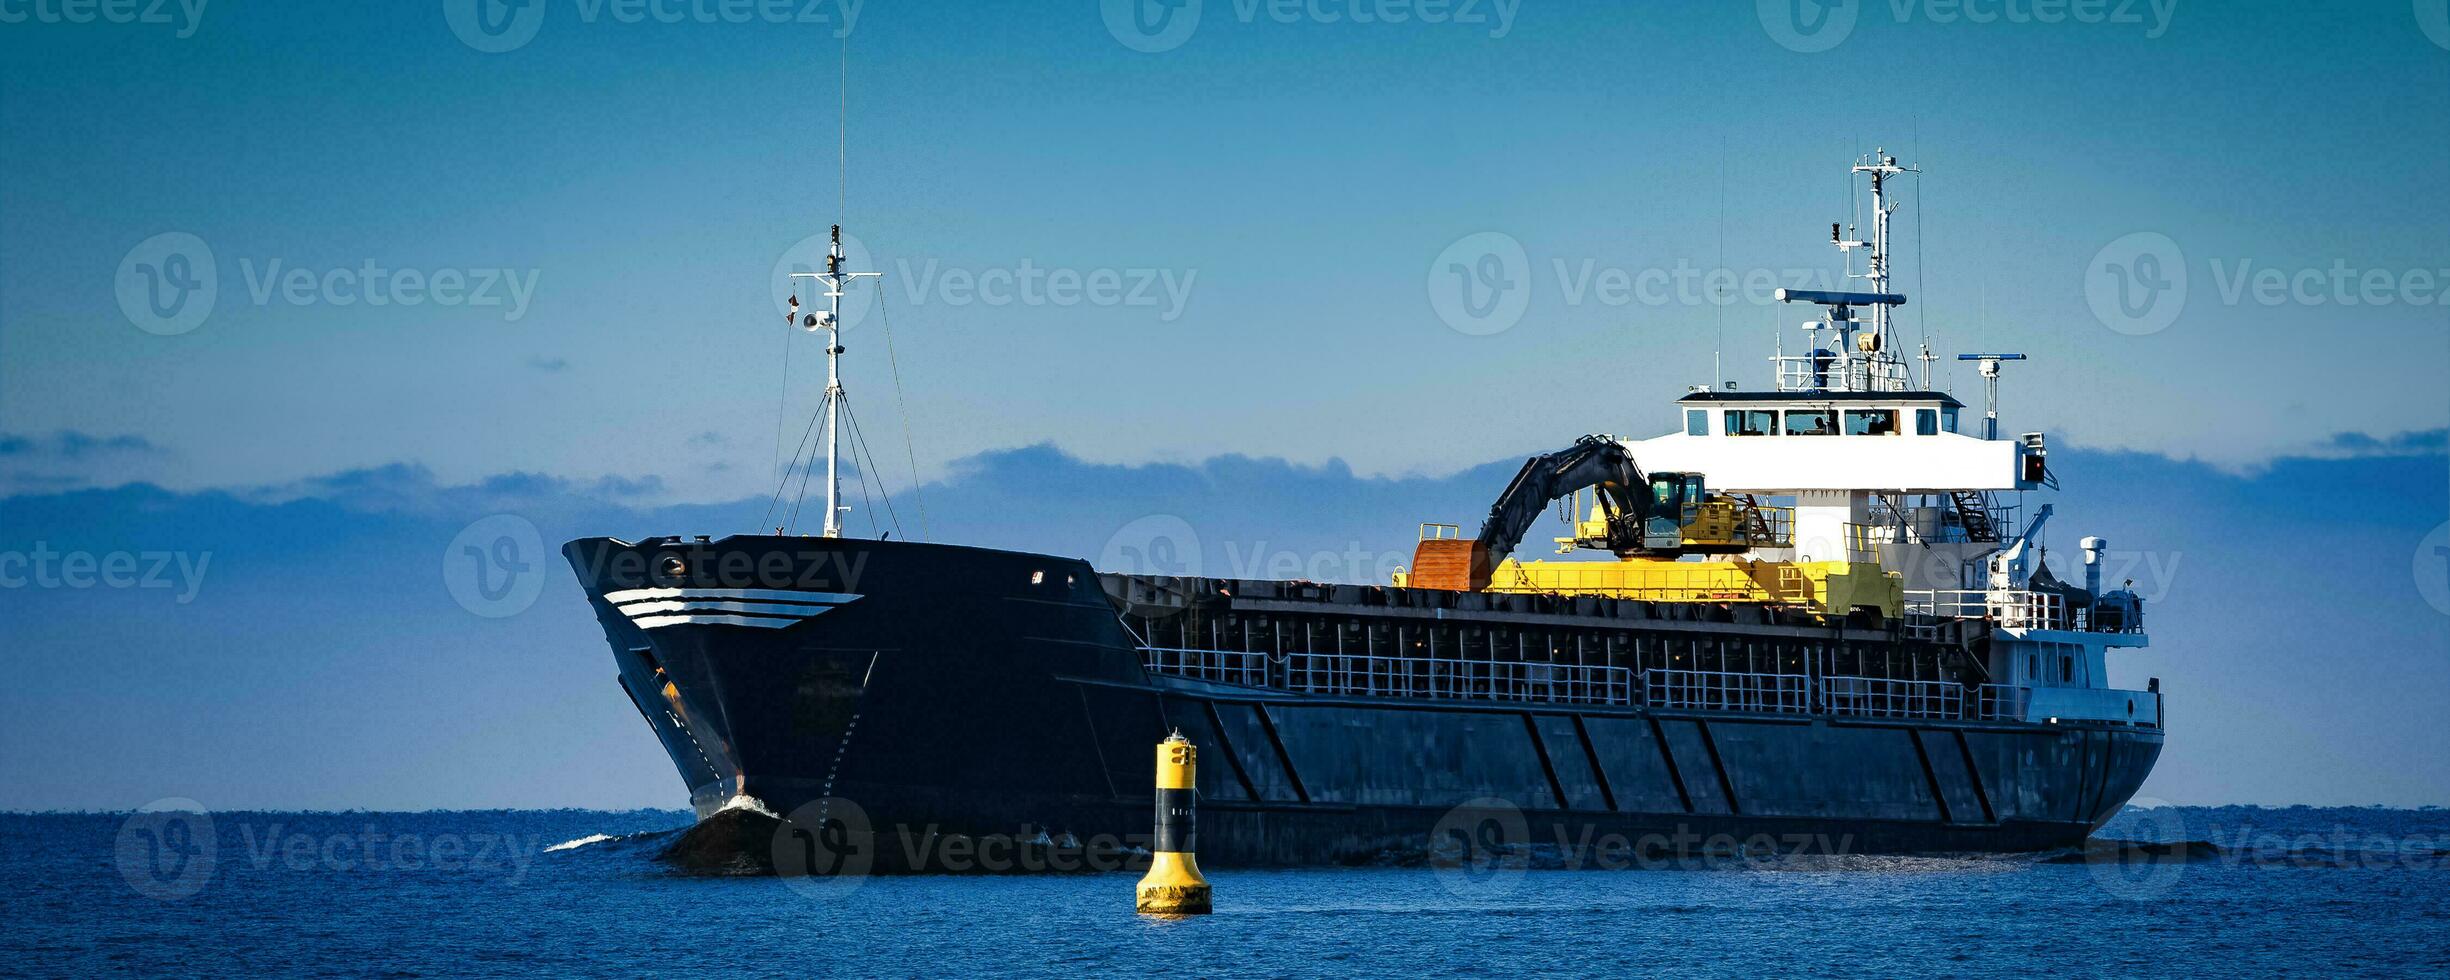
(572, 845)
(747, 802)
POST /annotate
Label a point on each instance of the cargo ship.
(1816, 612)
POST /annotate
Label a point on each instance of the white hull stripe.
(637, 609)
(769, 595)
(653, 622)
(758, 608)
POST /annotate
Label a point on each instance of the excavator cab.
(1674, 497)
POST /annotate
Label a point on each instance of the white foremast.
(831, 322)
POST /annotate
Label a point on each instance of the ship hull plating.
(959, 693)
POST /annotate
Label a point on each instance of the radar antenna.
(1989, 367)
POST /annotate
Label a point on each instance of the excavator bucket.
(1450, 563)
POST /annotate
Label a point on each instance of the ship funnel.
(2092, 564)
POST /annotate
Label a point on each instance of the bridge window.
(1748, 423)
(1814, 422)
(1696, 422)
(1948, 419)
(1871, 422)
(1926, 422)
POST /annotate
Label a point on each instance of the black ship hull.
(952, 693)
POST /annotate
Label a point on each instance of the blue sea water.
(2257, 892)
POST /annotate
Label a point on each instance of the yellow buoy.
(1173, 885)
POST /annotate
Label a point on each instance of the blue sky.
(1273, 196)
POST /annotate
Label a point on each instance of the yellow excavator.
(1648, 521)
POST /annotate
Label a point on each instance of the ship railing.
(2002, 702)
(1825, 372)
(1863, 541)
(1417, 677)
(1885, 697)
(2033, 610)
(1220, 666)
(1483, 680)
(2014, 608)
(1710, 690)
(1354, 675)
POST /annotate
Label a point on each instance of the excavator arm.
(1593, 462)
(1627, 503)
